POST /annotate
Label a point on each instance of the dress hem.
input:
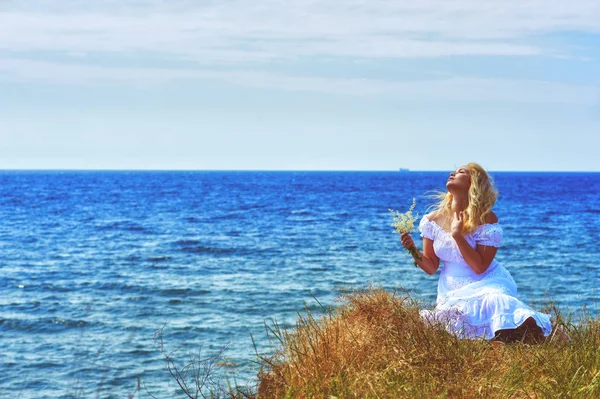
(487, 329)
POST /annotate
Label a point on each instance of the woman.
(476, 295)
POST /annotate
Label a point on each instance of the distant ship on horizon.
(404, 170)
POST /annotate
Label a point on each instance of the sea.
(102, 273)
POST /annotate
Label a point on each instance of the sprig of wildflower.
(405, 223)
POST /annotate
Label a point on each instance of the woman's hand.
(457, 224)
(407, 241)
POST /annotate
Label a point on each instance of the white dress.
(475, 305)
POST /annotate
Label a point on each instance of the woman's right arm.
(429, 261)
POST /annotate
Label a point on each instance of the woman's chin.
(454, 186)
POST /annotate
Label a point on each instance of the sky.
(300, 84)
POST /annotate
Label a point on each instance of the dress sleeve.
(426, 228)
(488, 234)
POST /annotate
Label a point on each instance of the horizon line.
(404, 170)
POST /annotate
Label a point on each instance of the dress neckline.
(450, 233)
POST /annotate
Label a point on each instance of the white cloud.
(442, 88)
(251, 34)
(265, 30)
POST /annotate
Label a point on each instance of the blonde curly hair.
(482, 197)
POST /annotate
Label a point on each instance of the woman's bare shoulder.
(491, 218)
(432, 215)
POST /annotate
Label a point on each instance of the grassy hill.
(375, 345)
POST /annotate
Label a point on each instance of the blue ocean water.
(93, 263)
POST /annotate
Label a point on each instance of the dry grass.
(375, 345)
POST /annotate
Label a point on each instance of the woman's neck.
(459, 202)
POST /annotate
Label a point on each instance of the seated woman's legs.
(528, 332)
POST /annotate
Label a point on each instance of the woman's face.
(459, 180)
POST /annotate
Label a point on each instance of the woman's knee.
(531, 331)
(528, 332)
